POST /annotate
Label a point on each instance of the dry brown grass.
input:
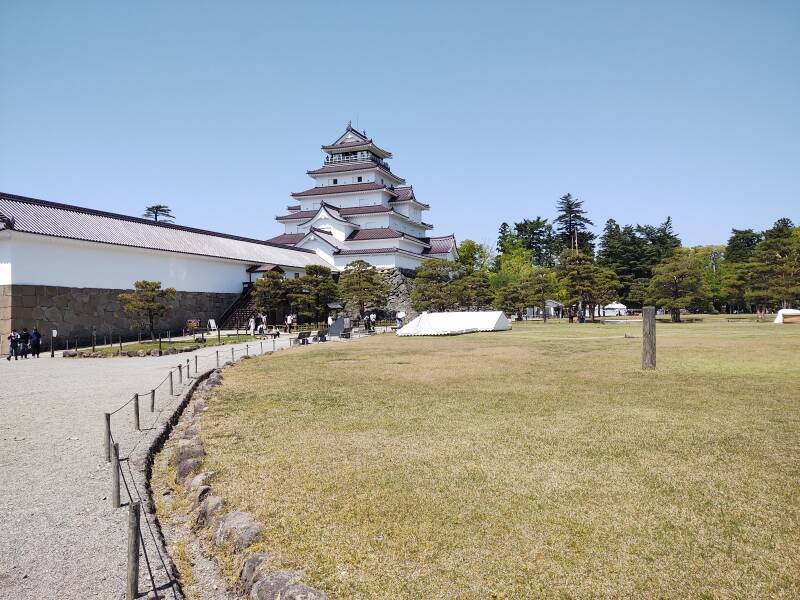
(538, 462)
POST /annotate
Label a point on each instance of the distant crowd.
(24, 343)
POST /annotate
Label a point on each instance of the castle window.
(335, 181)
(360, 179)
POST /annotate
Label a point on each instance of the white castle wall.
(42, 260)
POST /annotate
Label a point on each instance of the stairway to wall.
(238, 314)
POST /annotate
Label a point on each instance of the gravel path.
(60, 537)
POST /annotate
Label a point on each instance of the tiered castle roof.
(357, 198)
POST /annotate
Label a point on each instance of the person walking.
(24, 342)
(36, 343)
(13, 344)
(372, 318)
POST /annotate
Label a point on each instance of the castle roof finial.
(349, 124)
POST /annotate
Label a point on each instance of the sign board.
(193, 324)
(212, 324)
(55, 332)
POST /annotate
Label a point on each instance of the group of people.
(24, 343)
(257, 324)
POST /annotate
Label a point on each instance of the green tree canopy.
(572, 225)
(269, 293)
(432, 289)
(159, 212)
(678, 282)
(473, 290)
(511, 298)
(586, 282)
(363, 285)
(473, 256)
(537, 236)
(774, 271)
(741, 245)
(540, 286)
(147, 301)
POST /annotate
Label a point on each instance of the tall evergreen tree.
(537, 236)
(741, 245)
(505, 238)
(572, 225)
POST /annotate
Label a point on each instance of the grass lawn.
(536, 462)
(179, 343)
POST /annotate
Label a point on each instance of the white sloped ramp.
(456, 323)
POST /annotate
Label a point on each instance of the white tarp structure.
(614, 309)
(786, 312)
(455, 323)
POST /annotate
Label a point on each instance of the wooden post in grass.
(649, 337)
(115, 476)
(132, 587)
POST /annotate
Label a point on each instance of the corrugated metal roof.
(74, 222)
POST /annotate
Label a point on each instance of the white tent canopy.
(786, 312)
(611, 310)
(455, 323)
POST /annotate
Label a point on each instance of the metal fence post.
(247, 349)
(273, 344)
(180, 373)
(187, 370)
(132, 587)
(195, 364)
(233, 356)
(115, 476)
(152, 400)
(171, 391)
(262, 347)
(107, 438)
(217, 359)
(136, 412)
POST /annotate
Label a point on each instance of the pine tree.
(148, 300)
(433, 288)
(537, 236)
(573, 226)
(678, 283)
(741, 245)
(363, 285)
(159, 212)
(269, 293)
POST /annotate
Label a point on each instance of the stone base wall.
(400, 281)
(74, 311)
(399, 298)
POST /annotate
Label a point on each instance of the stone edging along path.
(209, 522)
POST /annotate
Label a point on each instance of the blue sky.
(492, 110)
